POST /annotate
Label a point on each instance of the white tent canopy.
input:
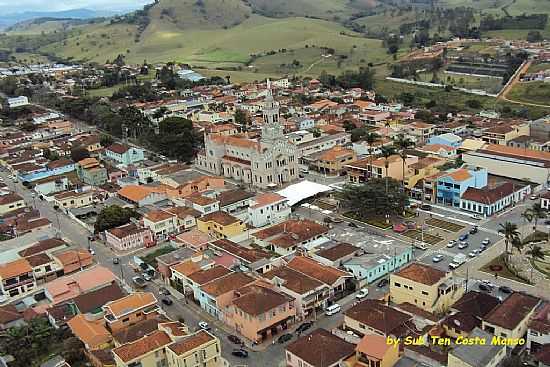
(302, 190)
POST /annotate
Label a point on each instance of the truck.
(457, 261)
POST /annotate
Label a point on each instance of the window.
(398, 285)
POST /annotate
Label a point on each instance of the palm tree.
(371, 139)
(510, 231)
(527, 216)
(402, 143)
(538, 213)
(535, 252)
(387, 152)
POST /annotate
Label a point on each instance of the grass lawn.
(491, 85)
(416, 234)
(531, 92)
(504, 271)
(443, 224)
(543, 265)
(378, 222)
(539, 67)
(151, 258)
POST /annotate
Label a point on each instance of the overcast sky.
(19, 6)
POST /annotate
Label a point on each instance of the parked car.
(473, 230)
(453, 265)
(362, 293)
(484, 287)
(204, 325)
(437, 258)
(333, 309)
(116, 261)
(476, 217)
(534, 197)
(146, 276)
(486, 242)
(382, 283)
(234, 339)
(353, 225)
(463, 237)
(451, 243)
(426, 207)
(304, 326)
(472, 254)
(164, 291)
(463, 245)
(241, 353)
(139, 282)
(505, 289)
(284, 338)
(167, 301)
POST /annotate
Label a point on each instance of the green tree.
(106, 140)
(177, 139)
(79, 153)
(242, 117)
(402, 143)
(510, 231)
(386, 153)
(114, 216)
(371, 139)
(537, 212)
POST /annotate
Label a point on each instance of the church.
(267, 162)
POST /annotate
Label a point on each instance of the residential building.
(336, 253)
(91, 172)
(268, 208)
(203, 204)
(129, 236)
(259, 313)
(193, 239)
(221, 225)
(51, 185)
(16, 279)
(53, 168)
(269, 161)
(320, 348)
(448, 139)
(70, 261)
(235, 202)
(10, 317)
(166, 261)
(538, 334)
(10, 202)
(161, 223)
(373, 350)
(423, 286)
(451, 185)
(186, 218)
(487, 354)
(421, 132)
(439, 150)
(501, 134)
(123, 154)
(198, 349)
(316, 145)
(510, 319)
(288, 236)
(467, 313)
(373, 317)
(140, 196)
(148, 351)
(231, 254)
(362, 170)
(332, 161)
(18, 102)
(92, 333)
(74, 199)
(489, 201)
(216, 296)
(129, 310)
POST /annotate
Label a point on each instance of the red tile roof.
(512, 311)
(421, 273)
(152, 342)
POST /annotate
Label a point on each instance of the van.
(334, 309)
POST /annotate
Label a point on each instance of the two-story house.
(162, 223)
(74, 199)
(221, 225)
(16, 279)
(91, 172)
(10, 202)
(268, 208)
(129, 310)
(216, 296)
(129, 236)
(451, 185)
(123, 154)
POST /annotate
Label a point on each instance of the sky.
(19, 6)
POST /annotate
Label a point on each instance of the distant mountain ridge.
(8, 20)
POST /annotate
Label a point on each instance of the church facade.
(267, 162)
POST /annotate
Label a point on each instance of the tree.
(52, 156)
(510, 231)
(386, 153)
(402, 143)
(113, 216)
(106, 140)
(28, 127)
(348, 125)
(177, 139)
(242, 117)
(371, 139)
(79, 153)
(534, 36)
(537, 212)
(473, 103)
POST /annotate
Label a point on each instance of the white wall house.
(268, 208)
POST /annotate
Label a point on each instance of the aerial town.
(190, 220)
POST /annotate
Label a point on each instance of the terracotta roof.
(125, 230)
(436, 148)
(233, 196)
(541, 319)
(42, 246)
(15, 268)
(74, 256)
(463, 321)
(248, 254)
(88, 163)
(201, 200)
(321, 348)
(118, 148)
(138, 330)
(186, 268)
(204, 276)
(219, 217)
(294, 280)
(291, 232)
(377, 315)
(335, 153)
(194, 237)
(174, 328)
(191, 342)
(137, 193)
(512, 311)
(226, 284)
(158, 216)
(182, 212)
(476, 303)
(374, 346)
(152, 342)
(9, 198)
(237, 141)
(92, 333)
(59, 163)
(489, 196)
(517, 152)
(421, 273)
(258, 300)
(9, 313)
(95, 299)
(68, 287)
(323, 273)
(460, 174)
(131, 303)
(267, 198)
(338, 251)
(38, 259)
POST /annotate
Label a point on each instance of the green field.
(539, 67)
(491, 85)
(531, 92)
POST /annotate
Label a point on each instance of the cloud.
(20, 6)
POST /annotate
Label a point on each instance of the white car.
(453, 265)
(486, 242)
(437, 258)
(476, 217)
(146, 276)
(362, 293)
(451, 243)
(472, 254)
(204, 325)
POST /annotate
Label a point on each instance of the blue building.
(54, 168)
(449, 139)
(123, 154)
(452, 185)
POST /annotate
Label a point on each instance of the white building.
(18, 101)
(267, 209)
(266, 162)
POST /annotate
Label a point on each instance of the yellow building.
(423, 168)
(221, 225)
(332, 161)
(74, 199)
(502, 134)
(10, 202)
(373, 350)
(425, 287)
(199, 349)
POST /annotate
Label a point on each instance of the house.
(166, 261)
(336, 253)
(320, 348)
(337, 280)
(51, 185)
(91, 172)
(310, 295)
(186, 218)
(18, 102)
(467, 313)
(486, 354)
(10, 317)
(92, 333)
(268, 208)
(501, 134)
(123, 154)
(362, 170)
(44, 267)
(71, 261)
(193, 239)
(129, 310)
(53, 168)
(451, 185)
(373, 317)
(142, 195)
(425, 287)
(259, 313)
(203, 204)
(47, 246)
(231, 254)
(221, 225)
(538, 333)
(373, 350)
(161, 223)
(510, 319)
(439, 150)
(129, 236)
(201, 346)
(235, 202)
(332, 161)
(421, 132)
(192, 275)
(146, 351)
(288, 236)
(488, 201)
(91, 303)
(16, 279)
(10, 202)
(74, 199)
(448, 139)
(217, 295)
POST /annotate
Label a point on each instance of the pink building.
(128, 237)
